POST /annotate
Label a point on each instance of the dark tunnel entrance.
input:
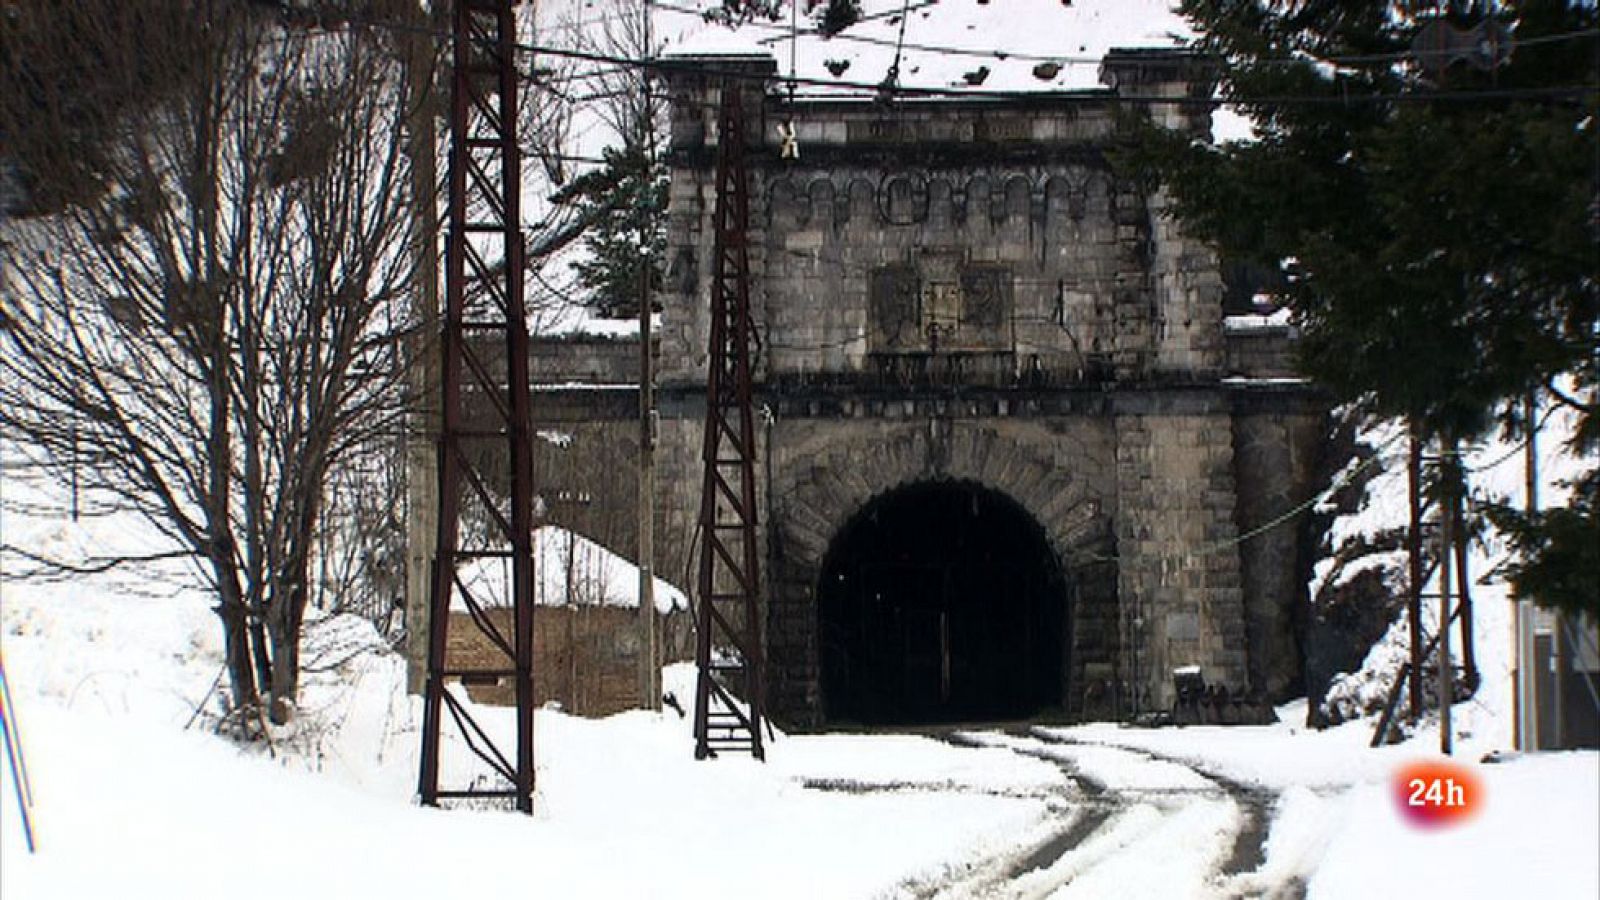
(941, 602)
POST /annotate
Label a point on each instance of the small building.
(585, 628)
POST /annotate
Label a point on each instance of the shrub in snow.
(1358, 586)
(1353, 612)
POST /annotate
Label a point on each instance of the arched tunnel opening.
(941, 602)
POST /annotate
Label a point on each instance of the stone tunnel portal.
(941, 602)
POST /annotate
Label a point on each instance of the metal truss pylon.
(485, 464)
(728, 649)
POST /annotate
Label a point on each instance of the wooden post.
(1446, 686)
(1469, 660)
(1414, 558)
(1527, 683)
(649, 648)
(572, 623)
(422, 351)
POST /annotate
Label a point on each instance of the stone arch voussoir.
(823, 497)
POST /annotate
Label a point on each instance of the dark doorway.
(941, 602)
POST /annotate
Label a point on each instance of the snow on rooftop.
(947, 43)
(567, 567)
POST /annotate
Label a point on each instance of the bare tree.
(219, 311)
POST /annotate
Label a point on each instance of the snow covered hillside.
(134, 797)
(1496, 472)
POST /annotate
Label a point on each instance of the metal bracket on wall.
(728, 692)
(485, 465)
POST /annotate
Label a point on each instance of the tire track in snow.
(1145, 814)
(1092, 824)
(1240, 873)
(1078, 808)
(1109, 825)
(1094, 830)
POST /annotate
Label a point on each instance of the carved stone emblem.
(895, 309)
(985, 303)
(940, 306)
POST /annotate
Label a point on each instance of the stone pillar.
(694, 86)
(1178, 572)
(1133, 305)
(1279, 441)
(1169, 322)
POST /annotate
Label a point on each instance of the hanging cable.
(794, 43)
(786, 130)
(891, 81)
(1093, 96)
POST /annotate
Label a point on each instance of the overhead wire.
(699, 65)
(1072, 59)
(892, 79)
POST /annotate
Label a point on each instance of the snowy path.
(1122, 821)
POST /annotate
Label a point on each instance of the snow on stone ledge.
(1274, 321)
(584, 386)
(1246, 381)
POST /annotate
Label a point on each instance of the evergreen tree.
(1437, 223)
(627, 198)
(838, 15)
(735, 12)
(1559, 551)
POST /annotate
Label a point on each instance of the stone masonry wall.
(826, 470)
(1278, 439)
(969, 291)
(1178, 565)
(954, 290)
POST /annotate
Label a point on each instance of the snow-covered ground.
(134, 797)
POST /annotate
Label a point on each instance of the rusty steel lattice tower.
(484, 355)
(728, 635)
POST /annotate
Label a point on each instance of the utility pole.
(1527, 695)
(649, 650)
(1469, 658)
(728, 652)
(483, 355)
(422, 349)
(1414, 560)
(1446, 536)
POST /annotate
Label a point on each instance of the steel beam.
(485, 470)
(728, 691)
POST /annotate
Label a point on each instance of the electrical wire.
(1069, 59)
(892, 79)
(1521, 445)
(699, 66)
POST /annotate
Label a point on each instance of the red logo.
(1437, 793)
